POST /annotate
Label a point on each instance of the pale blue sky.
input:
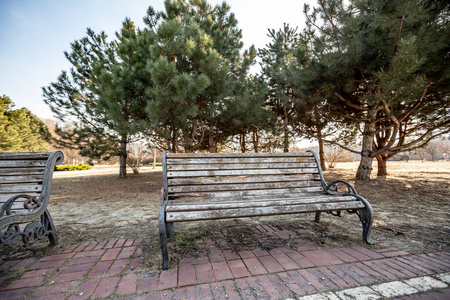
(35, 33)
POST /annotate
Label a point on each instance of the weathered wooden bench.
(25, 184)
(233, 185)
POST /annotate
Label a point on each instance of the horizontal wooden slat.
(240, 179)
(6, 197)
(173, 174)
(21, 179)
(188, 167)
(20, 189)
(22, 200)
(22, 171)
(22, 163)
(260, 211)
(24, 155)
(227, 204)
(244, 186)
(23, 211)
(292, 192)
(238, 155)
(236, 160)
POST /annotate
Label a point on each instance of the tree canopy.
(20, 130)
(382, 67)
(369, 76)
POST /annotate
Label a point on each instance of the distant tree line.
(371, 77)
(20, 130)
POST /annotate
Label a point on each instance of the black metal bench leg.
(163, 237)
(170, 230)
(317, 219)
(366, 217)
(366, 220)
(50, 229)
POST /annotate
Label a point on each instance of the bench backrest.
(26, 173)
(240, 175)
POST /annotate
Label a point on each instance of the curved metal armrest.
(30, 203)
(333, 188)
(164, 197)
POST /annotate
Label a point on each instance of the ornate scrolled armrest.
(30, 203)
(333, 188)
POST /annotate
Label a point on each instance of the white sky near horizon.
(35, 34)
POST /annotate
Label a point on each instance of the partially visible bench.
(233, 185)
(25, 183)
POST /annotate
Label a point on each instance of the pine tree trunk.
(175, 147)
(211, 143)
(256, 141)
(188, 147)
(365, 165)
(123, 156)
(321, 152)
(286, 131)
(382, 169)
(242, 142)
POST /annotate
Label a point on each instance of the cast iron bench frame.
(25, 184)
(233, 185)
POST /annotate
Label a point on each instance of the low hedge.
(157, 164)
(72, 167)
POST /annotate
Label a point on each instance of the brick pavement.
(112, 269)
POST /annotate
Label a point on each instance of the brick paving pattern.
(111, 269)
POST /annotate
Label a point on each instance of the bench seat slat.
(239, 166)
(20, 189)
(241, 179)
(21, 179)
(235, 160)
(238, 155)
(227, 204)
(22, 171)
(6, 197)
(22, 163)
(23, 211)
(250, 194)
(260, 211)
(174, 174)
(243, 186)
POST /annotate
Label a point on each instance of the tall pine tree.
(276, 59)
(103, 95)
(385, 66)
(196, 50)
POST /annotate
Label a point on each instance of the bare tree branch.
(359, 107)
(342, 146)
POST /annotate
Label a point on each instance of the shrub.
(72, 167)
(158, 164)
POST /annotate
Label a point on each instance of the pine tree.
(246, 113)
(196, 49)
(276, 58)
(121, 86)
(385, 67)
(103, 95)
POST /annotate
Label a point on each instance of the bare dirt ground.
(411, 212)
